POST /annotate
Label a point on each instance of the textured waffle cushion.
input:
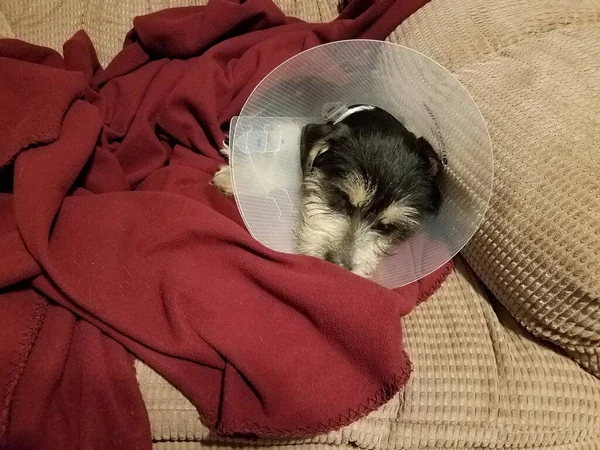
(501, 388)
(52, 22)
(535, 73)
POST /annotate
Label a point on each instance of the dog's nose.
(347, 265)
(342, 262)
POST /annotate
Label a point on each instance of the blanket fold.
(113, 244)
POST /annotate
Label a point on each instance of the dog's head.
(367, 184)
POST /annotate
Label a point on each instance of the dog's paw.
(222, 180)
(224, 151)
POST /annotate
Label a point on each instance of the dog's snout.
(344, 262)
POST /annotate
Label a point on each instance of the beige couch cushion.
(535, 73)
(479, 380)
(52, 22)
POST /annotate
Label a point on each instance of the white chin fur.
(321, 232)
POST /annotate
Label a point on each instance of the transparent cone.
(265, 144)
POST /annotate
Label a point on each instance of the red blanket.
(113, 243)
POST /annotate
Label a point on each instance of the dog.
(368, 183)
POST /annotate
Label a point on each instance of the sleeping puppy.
(367, 184)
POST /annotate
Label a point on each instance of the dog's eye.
(385, 228)
(342, 202)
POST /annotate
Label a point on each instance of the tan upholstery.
(535, 73)
(52, 22)
(479, 380)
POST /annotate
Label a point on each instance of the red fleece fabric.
(113, 244)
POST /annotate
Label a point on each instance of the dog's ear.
(435, 164)
(312, 144)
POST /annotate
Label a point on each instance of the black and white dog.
(367, 184)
